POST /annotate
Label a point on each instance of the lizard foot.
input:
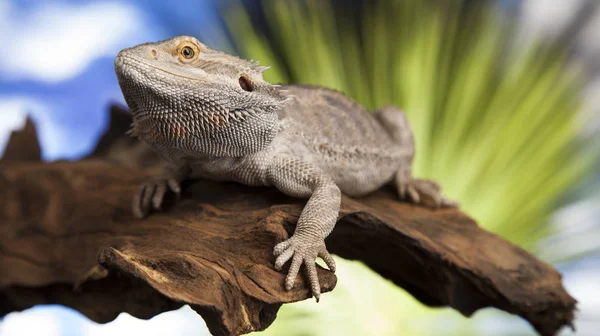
(303, 251)
(425, 192)
(152, 193)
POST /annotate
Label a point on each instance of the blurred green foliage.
(495, 122)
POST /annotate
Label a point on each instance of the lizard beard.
(194, 120)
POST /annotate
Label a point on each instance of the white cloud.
(577, 231)
(33, 322)
(12, 118)
(55, 42)
(13, 111)
(184, 321)
(54, 320)
(583, 285)
(547, 18)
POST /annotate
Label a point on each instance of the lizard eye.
(187, 52)
(245, 84)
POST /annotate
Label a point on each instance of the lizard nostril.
(154, 53)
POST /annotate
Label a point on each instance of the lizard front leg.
(151, 194)
(298, 178)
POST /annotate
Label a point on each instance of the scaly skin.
(211, 115)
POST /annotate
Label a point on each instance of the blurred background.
(503, 95)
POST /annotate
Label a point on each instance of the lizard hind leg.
(424, 192)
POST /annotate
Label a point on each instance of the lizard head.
(187, 96)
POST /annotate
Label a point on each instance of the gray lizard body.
(211, 115)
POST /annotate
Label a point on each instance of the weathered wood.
(67, 237)
(23, 145)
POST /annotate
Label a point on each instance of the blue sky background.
(56, 62)
(56, 65)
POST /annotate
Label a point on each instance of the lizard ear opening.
(245, 84)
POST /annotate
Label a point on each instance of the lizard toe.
(402, 191)
(159, 195)
(311, 270)
(174, 186)
(327, 258)
(149, 189)
(279, 248)
(283, 258)
(413, 194)
(137, 206)
(446, 203)
(290, 279)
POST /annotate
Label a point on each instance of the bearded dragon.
(211, 115)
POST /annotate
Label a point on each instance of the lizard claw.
(151, 195)
(302, 252)
(423, 192)
(427, 193)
